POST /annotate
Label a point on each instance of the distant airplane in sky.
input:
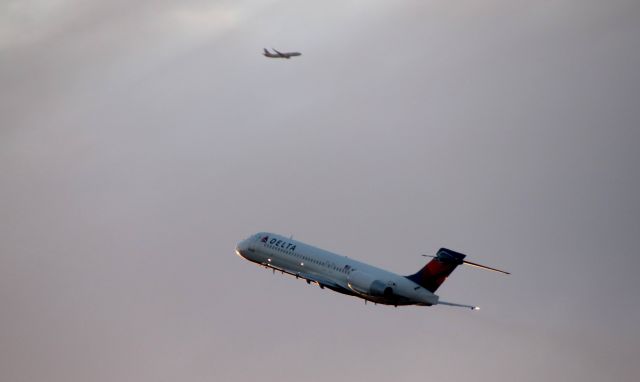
(351, 277)
(277, 54)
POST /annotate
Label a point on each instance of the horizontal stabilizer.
(472, 307)
(484, 267)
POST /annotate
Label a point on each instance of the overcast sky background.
(139, 141)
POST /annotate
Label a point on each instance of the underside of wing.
(313, 278)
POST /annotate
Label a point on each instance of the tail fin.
(436, 271)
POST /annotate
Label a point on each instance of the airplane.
(354, 278)
(280, 54)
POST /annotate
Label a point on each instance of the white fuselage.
(339, 273)
(281, 55)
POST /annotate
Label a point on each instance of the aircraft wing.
(323, 282)
(319, 280)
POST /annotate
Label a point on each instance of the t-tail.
(437, 270)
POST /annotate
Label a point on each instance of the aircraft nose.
(242, 247)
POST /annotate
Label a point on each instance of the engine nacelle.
(366, 284)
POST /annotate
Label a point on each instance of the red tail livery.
(436, 271)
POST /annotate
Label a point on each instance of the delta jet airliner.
(277, 54)
(351, 277)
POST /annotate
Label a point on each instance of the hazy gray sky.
(139, 141)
